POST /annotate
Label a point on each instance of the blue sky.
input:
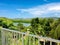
(29, 8)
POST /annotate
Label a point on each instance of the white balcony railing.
(11, 37)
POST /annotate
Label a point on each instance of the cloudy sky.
(29, 8)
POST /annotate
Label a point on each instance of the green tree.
(20, 27)
(36, 27)
(57, 32)
(5, 22)
(34, 24)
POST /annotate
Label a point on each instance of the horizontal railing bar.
(12, 31)
(45, 38)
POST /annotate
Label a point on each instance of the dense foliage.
(39, 26)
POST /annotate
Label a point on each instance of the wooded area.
(49, 27)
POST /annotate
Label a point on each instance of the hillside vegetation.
(49, 27)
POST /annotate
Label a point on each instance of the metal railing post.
(38, 41)
(22, 40)
(29, 40)
(33, 40)
(3, 37)
(44, 42)
(58, 43)
(50, 42)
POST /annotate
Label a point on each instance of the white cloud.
(56, 8)
(43, 9)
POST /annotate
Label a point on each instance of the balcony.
(11, 37)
